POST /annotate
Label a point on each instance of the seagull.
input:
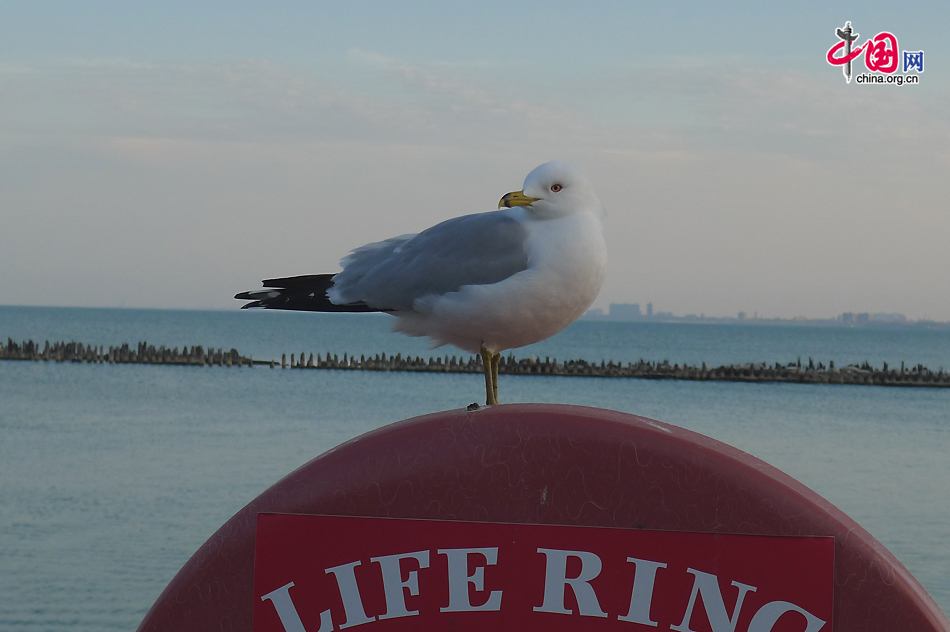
(484, 283)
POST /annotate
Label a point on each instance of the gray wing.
(476, 249)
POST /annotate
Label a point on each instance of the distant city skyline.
(628, 312)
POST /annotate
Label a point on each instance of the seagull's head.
(555, 189)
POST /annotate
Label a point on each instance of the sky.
(171, 154)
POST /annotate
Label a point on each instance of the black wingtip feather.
(306, 293)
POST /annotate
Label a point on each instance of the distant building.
(625, 311)
(595, 312)
(862, 319)
(741, 315)
(649, 310)
(882, 317)
(847, 318)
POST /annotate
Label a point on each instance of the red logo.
(880, 55)
(880, 52)
(324, 573)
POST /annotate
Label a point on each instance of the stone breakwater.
(143, 353)
(810, 373)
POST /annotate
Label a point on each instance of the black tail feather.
(306, 293)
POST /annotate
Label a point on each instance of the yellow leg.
(494, 375)
(491, 387)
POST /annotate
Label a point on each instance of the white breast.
(567, 262)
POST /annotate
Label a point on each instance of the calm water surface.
(112, 476)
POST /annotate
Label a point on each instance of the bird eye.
(555, 187)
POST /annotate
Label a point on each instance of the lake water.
(111, 476)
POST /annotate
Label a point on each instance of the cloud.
(258, 101)
(725, 104)
(250, 100)
(428, 80)
(678, 106)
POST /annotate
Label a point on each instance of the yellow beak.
(516, 198)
